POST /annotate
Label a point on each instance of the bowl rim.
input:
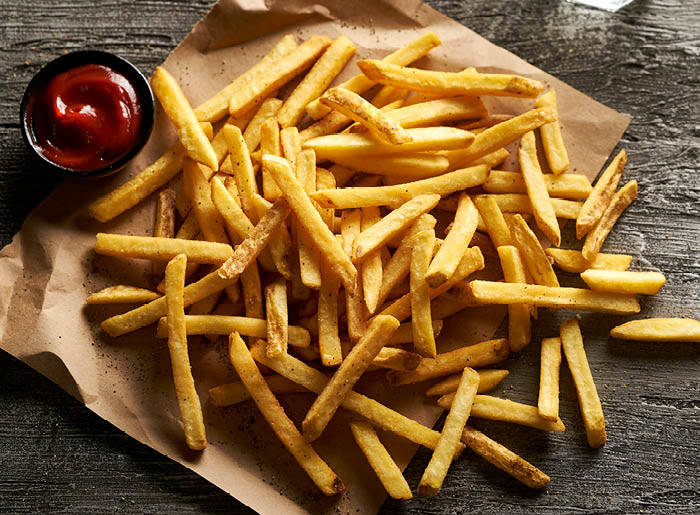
(73, 60)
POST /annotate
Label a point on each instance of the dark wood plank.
(644, 61)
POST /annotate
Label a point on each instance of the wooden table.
(55, 455)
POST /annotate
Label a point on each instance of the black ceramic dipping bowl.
(73, 60)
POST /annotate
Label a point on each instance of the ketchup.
(86, 118)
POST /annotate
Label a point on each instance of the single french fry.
(400, 193)
(552, 141)
(379, 459)
(199, 191)
(467, 82)
(242, 169)
(498, 136)
(230, 394)
(132, 192)
(277, 317)
(280, 245)
(620, 201)
(252, 291)
(216, 107)
(589, 402)
(403, 56)
(278, 74)
(532, 253)
(227, 324)
(495, 408)
(371, 268)
(404, 334)
(178, 109)
(350, 228)
(325, 180)
(235, 219)
(568, 185)
(121, 294)
(187, 398)
(659, 330)
(311, 221)
(422, 252)
(392, 224)
(386, 96)
(550, 361)
(386, 418)
(474, 356)
(399, 265)
(601, 196)
(445, 262)
(330, 124)
(647, 283)
(291, 145)
(164, 226)
(485, 122)
(342, 175)
(316, 81)
(574, 262)
(488, 292)
(392, 358)
(435, 472)
(504, 459)
(327, 316)
(317, 469)
(360, 110)
(518, 203)
(161, 249)
(488, 380)
(412, 166)
(309, 255)
(542, 208)
(350, 370)
(519, 324)
(253, 132)
(493, 219)
(270, 145)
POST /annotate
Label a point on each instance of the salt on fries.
(360, 253)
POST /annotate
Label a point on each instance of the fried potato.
(161, 249)
(493, 219)
(199, 191)
(574, 262)
(280, 245)
(568, 185)
(412, 166)
(277, 317)
(552, 141)
(550, 361)
(519, 323)
(601, 196)
(121, 294)
(235, 219)
(647, 283)
(270, 145)
(253, 132)
(309, 255)
(371, 268)
(242, 170)
(404, 334)
(422, 252)
(659, 330)
(164, 226)
(488, 380)
(350, 227)
(532, 253)
(327, 316)
(230, 394)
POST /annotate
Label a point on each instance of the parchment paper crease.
(49, 268)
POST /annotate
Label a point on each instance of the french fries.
(574, 262)
(253, 131)
(164, 226)
(328, 336)
(488, 380)
(532, 253)
(121, 294)
(552, 141)
(372, 266)
(419, 165)
(647, 283)
(659, 330)
(234, 393)
(591, 409)
(569, 185)
(277, 318)
(421, 321)
(600, 197)
(161, 249)
(494, 220)
(519, 324)
(550, 361)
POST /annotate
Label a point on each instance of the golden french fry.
(270, 145)
(503, 458)
(392, 224)
(568, 185)
(330, 124)
(400, 193)
(488, 292)
(230, 394)
(225, 324)
(325, 180)
(350, 227)
(242, 169)
(647, 283)
(278, 74)
(360, 110)
(277, 317)
(187, 398)
(404, 334)
(620, 201)
(216, 107)
(396, 359)
(486, 122)
(387, 96)
(498, 136)
(403, 56)
(132, 192)
(235, 219)
(161, 249)
(327, 316)
(309, 255)
(479, 355)
(164, 226)
(447, 446)
(291, 145)
(379, 459)
(253, 132)
(532, 253)
(552, 141)
(467, 82)
(519, 324)
(591, 409)
(574, 262)
(342, 175)
(311, 221)
(659, 330)
(537, 190)
(488, 380)
(317, 469)
(601, 196)
(495, 408)
(121, 294)
(178, 109)
(316, 81)
(492, 217)
(252, 291)
(550, 361)
(422, 252)
(350, 370)
(411, 166)
(445, 262)
(371, 268)
(280, 244)
(199, 191)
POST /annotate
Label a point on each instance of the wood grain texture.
(644, 61)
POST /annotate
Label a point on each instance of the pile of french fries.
(334, 271)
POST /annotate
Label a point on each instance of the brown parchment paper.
(49, 268)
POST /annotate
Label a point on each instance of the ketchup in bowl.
(88, 113)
